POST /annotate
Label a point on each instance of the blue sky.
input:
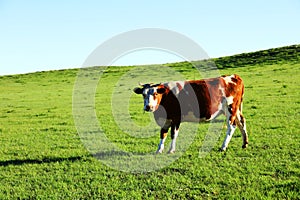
(45, 35)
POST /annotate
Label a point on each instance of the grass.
(43, 157)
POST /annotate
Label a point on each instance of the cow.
(194, 101)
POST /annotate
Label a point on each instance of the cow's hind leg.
(231, 126)
(241, 122)
(174, 134)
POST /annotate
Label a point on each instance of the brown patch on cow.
(235, 89)
(216, 95)
(159, 96)
(179, 86)
(202, 107)
(234, 79)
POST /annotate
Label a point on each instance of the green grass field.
(43, 157)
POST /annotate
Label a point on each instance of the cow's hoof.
(244, 146)
(222, 149)
(171, 151)
(159, 151)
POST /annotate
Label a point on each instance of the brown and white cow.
(195, 101)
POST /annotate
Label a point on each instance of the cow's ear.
(138, 90)
(161, 90)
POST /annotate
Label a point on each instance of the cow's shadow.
(17, 162)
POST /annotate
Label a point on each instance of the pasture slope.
(42, 156)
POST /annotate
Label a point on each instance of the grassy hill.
(43, 157)
(288, 54)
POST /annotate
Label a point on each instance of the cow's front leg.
(174, 134)
(163, 136)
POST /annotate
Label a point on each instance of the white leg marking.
(161, 146)
(173, 143)
(229, 133)
(230, 130)
(163, 134)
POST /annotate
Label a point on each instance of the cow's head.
(152, 95)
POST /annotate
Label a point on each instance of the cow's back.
(200, 100)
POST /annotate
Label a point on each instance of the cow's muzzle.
(148, 108)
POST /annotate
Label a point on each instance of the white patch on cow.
(149, 98)
(222, 90)
(173, 86)
(228, 79)
(229, 100)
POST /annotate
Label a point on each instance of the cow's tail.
(242, 96)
